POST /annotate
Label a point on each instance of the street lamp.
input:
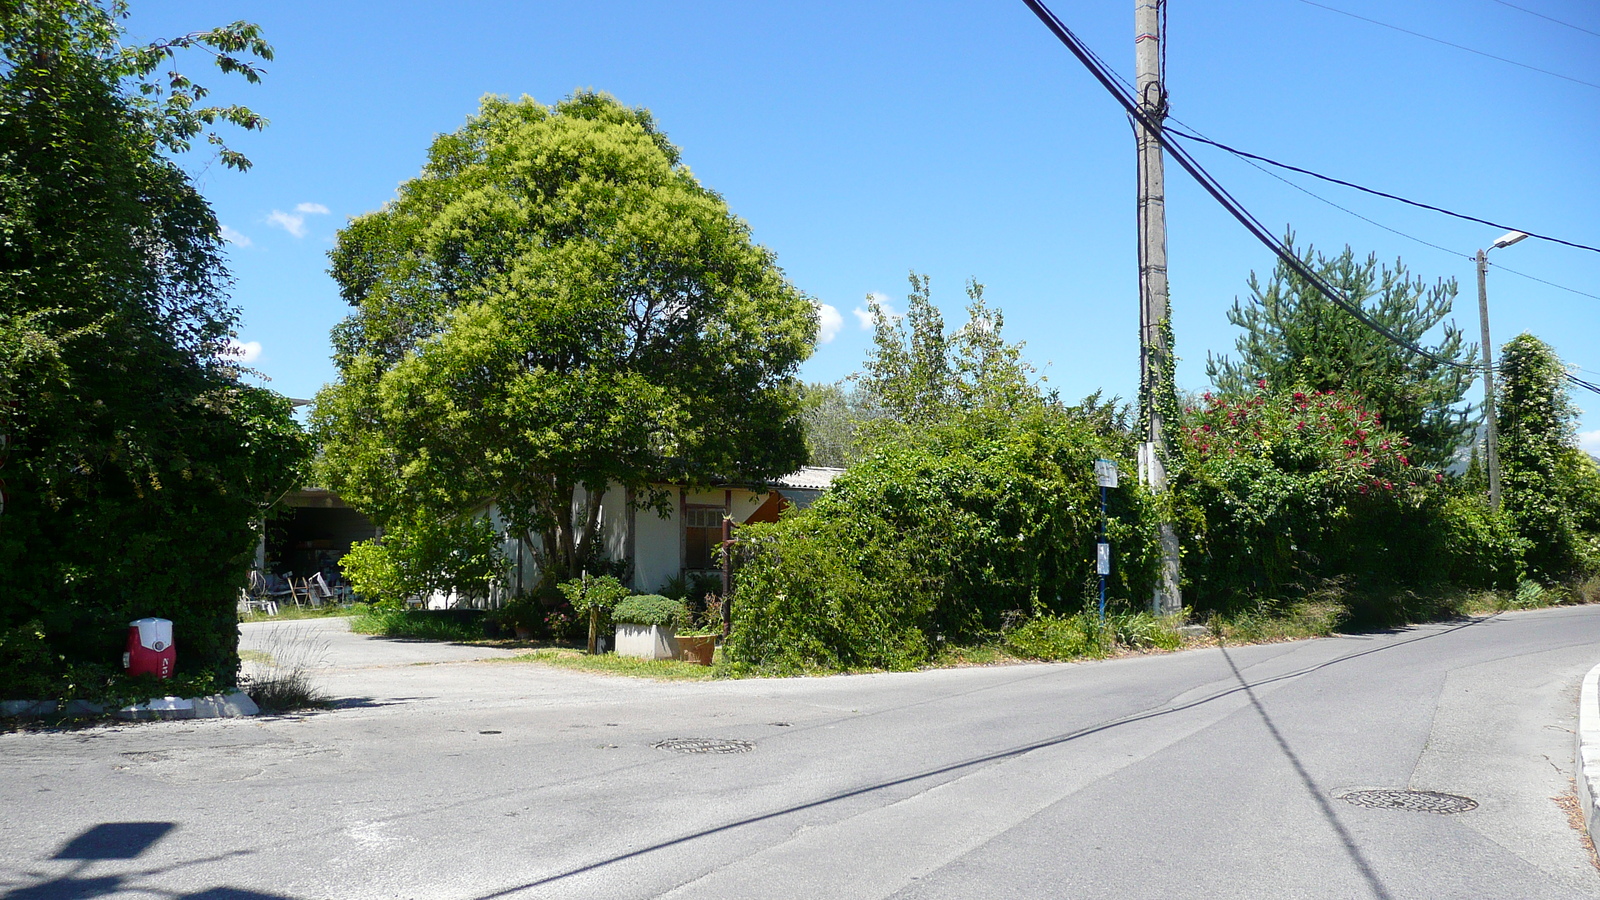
(1491, 434)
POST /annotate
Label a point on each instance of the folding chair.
(257, 595)
(317, 587)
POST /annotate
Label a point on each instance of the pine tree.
(1294, 337)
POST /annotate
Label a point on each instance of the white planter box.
(647, 641)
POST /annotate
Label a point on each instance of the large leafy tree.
(138, 461)
(557, 304)
(1295, 336)
(1550, 484)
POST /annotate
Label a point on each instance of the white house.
(684, 541)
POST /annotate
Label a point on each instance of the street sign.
(1105, 473)
(1102, 558)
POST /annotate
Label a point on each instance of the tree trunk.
(594, 630)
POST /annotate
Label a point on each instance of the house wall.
(655, 546)
(655, 542)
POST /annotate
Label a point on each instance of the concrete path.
(1215, 773)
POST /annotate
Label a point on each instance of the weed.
(278, 677)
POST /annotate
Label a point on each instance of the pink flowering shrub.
(1282, 491)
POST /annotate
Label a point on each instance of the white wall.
(656, 539)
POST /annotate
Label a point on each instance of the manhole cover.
(704, 745)
(1415, 801)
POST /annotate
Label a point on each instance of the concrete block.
(158, 708)
(647, 641)
(225, 706)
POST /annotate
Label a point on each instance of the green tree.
(1547, 481)
(557, 304)
(1294, 336)
(138, 461)
(832, 414)
(920, 375)
(974, 502)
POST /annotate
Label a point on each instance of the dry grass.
(280, 677)
(1569, 804)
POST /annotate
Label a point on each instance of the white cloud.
(864, 314)
(295, 222)
(242, 351)
(295, 225)
(828, 323)
(234, 237)
(1590, 442)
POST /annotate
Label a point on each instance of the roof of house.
(809, 478)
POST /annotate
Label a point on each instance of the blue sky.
(864, 140)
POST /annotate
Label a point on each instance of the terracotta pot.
(697, 649)
(523, 633)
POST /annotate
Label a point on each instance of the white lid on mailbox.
(154, 634)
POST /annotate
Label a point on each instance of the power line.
(1550, 283)
(1250, 161)
(1377, 193)
(1449, 44)
(1312, 194)
(1548, 18)
(1221, 195)
(1586, 385)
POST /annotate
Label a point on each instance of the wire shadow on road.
(1246, 687)
(1368, 873)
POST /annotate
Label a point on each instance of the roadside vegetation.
(556, 307)
(139, 458)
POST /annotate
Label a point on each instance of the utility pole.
(1155, 357)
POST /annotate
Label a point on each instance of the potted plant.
(591, 597)
(698, 641)
(647, 626)
(523, 616)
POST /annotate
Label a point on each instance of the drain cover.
(704, 745)
(1415, 801)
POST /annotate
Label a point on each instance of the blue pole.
(1097, 553)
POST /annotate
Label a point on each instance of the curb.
(1588, 754)
(216, 706)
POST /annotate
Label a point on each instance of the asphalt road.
(1210, 773)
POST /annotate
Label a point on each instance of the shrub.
(801, 602)
(1050, 638)
(650, 609)
(422, 555)
(594, 598)
(422, 624)
(939, 534)
(1280, 493)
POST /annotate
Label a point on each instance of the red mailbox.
(150, 650)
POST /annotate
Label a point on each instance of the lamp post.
(1491, 432)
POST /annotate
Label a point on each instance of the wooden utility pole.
(1155, 357)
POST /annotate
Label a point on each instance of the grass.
(289, 612)
(281, 677)
(612, 664)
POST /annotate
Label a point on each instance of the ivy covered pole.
(1157, 396)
